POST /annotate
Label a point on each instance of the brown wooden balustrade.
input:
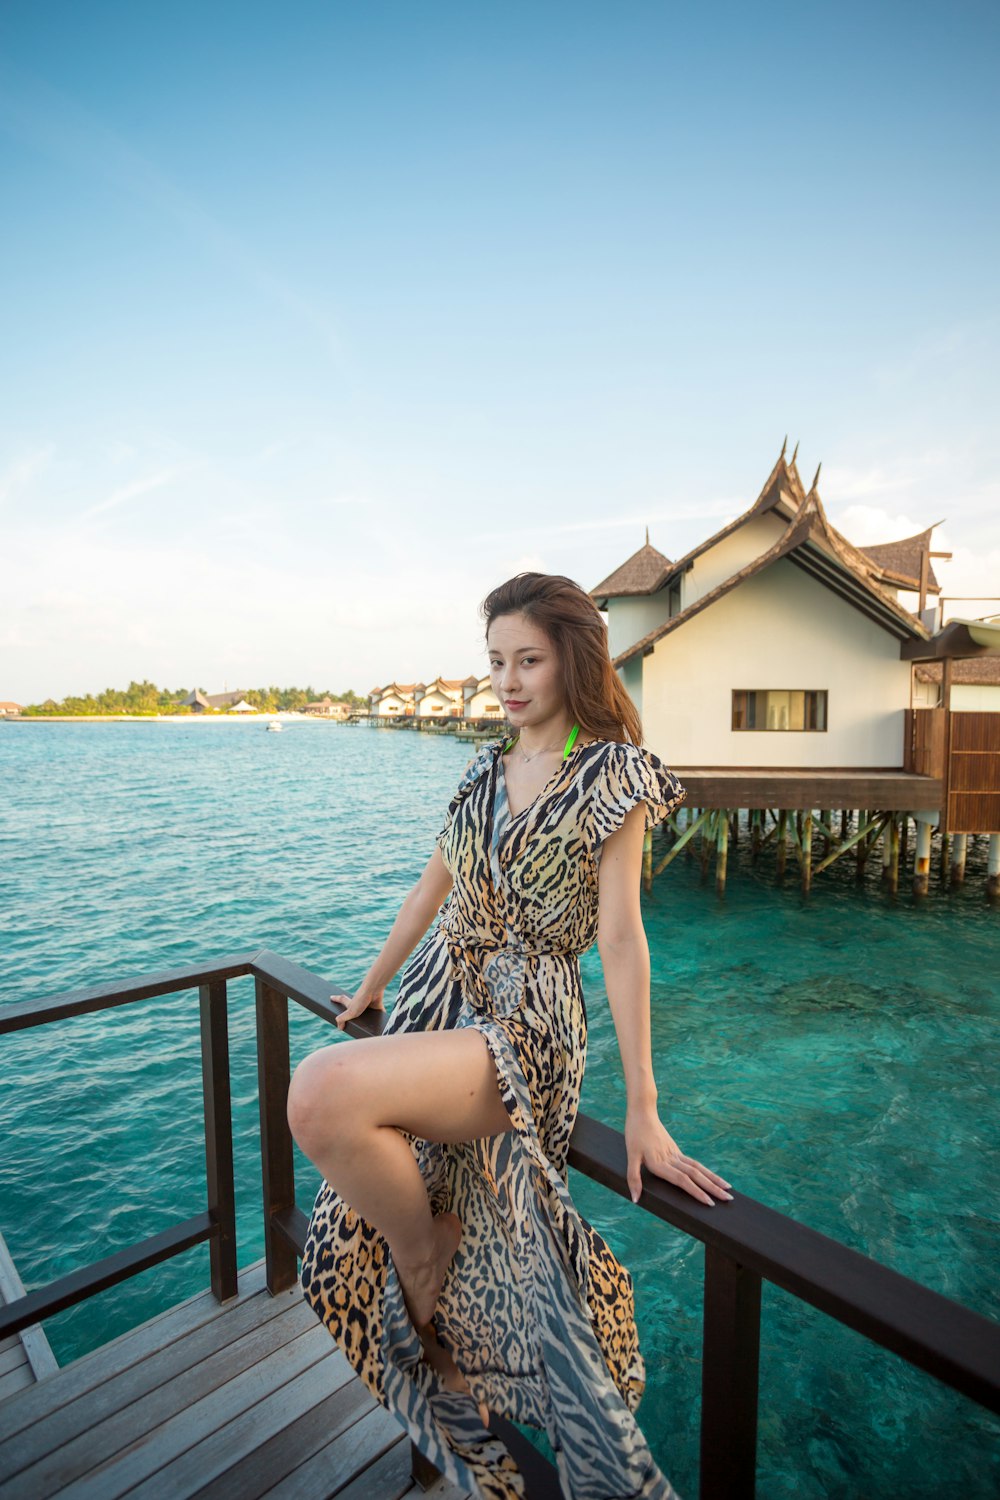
(747, 1244)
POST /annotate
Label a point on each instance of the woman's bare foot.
(440, 1360)
(422, 1281)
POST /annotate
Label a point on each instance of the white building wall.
(976, 697)
(631, 676)
(728, 556)
(484, 704)
(967, 697)
(630, 619)
(438, 704)
(778, 629)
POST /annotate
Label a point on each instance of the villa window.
(779, 708)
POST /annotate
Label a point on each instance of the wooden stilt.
(689, 846)
(945, 856)
(684, 842)
(922, 859)
(958, 853)
(862, 853)
(721, 851)
(904, 839)
(886, 852)
(894, 854)
(735, 831)
(782, 845)
(993, 869)
(807, 850)
(845, 818)
(707, 835)
(755, 833)
(647, 860)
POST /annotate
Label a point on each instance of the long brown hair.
(595, 694)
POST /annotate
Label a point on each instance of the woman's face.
(525, 670)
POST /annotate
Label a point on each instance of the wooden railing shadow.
(744, 1246)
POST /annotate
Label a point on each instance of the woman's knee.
(324, 1095)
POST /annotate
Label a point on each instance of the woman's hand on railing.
(369, 996)
(649, 1143)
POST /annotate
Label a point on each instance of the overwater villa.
(777, 669)
(466, 698)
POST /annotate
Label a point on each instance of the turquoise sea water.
(833, 1056)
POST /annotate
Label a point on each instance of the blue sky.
(319, 320)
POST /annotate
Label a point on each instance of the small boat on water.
(274, 727)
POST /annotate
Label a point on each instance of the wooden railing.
(745, 1245)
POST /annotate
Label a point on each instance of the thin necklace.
(572, 737)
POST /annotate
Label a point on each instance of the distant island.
(145, 698)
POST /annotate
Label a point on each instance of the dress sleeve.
(631, 775)
(477, 765)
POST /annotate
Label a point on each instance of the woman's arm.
(621, 942)
(415, 916)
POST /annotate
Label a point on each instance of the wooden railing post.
(273, 1076)
(218, 1136)
(729, 1379)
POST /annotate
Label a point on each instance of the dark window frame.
(745, 703)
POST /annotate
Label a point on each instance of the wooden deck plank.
(247, 1400)
(83, 1421)
(378, 1465)
(260, 1471)
(123, 1352)
(142, 1459)
(16, 1380)
(208, 1460)
(442, 1489)
(11, 1358)
(388, 1477)
(56, 1464)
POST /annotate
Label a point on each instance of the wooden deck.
(801, 788)
(242, 1399)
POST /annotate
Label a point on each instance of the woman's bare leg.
(346, 1106)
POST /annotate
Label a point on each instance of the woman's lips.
(516, 703)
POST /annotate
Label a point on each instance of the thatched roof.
(899, 562)
(813, 544)
(642, 573)
(978, 671)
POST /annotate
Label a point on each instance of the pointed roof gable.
(813, 544)
(898, 563)
(647, 570)
(642, 573)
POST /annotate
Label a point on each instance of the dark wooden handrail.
(746, 1242)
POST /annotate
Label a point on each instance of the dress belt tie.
(493, 974)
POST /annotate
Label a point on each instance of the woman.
(445, 1253)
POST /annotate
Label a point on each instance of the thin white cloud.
(131, 492)
(711, 508)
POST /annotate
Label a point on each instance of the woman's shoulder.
(626, 775)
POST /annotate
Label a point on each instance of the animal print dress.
(536, 1311)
